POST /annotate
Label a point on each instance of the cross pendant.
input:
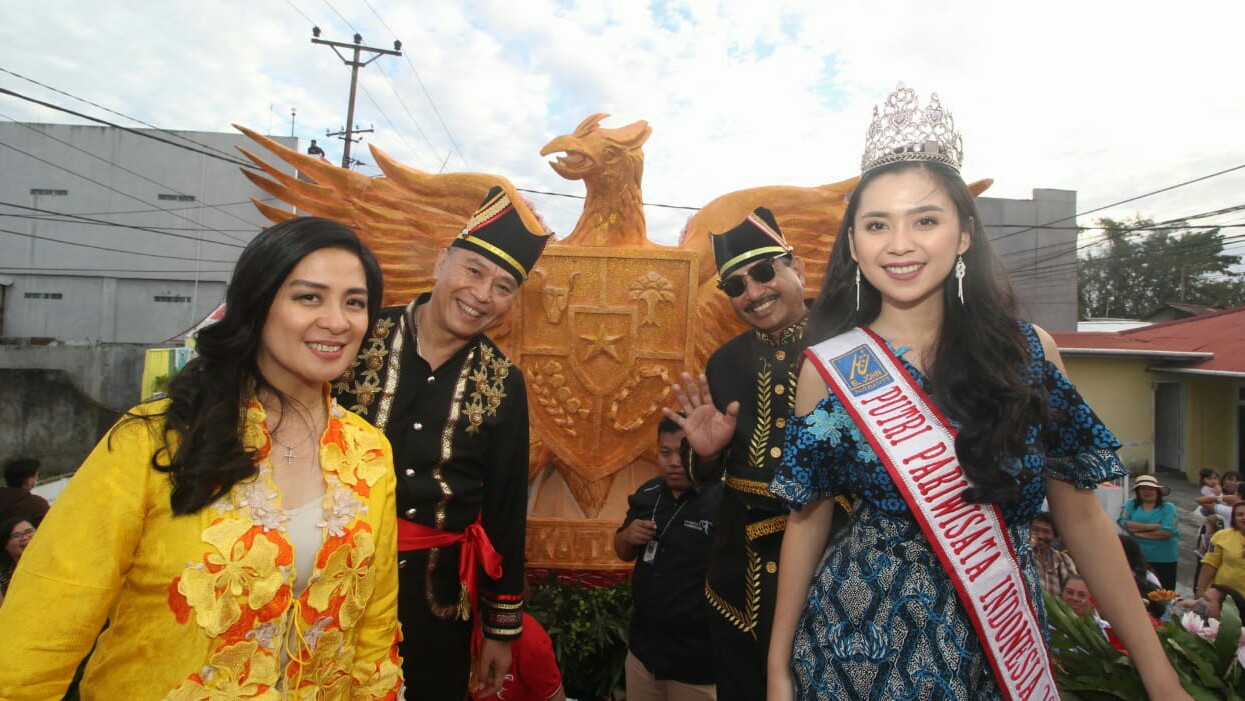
(289, 455)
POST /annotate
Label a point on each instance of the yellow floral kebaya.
(202, 607)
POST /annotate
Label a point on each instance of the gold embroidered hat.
(756, 237)
(497, 232)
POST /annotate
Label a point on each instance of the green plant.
(1205, 657)
(589, 629)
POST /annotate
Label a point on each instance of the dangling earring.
(857, 287)
(960, 269)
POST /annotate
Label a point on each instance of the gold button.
(780, 355)
(779, 389)
(775, 452)
(771, 567)
(781, 423)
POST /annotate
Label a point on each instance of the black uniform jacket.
(460, 444)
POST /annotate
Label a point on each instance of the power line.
(340, 16)
(376, 105)
(1175, 224)
(109, 270)
(135, 132)
(1126, 232)
(291, 4)
(76, 219)
(414, 121)
(110, 250)
(184, 209)
(1036, 271)
(106, 187)
(1127, 200)
(127, 170)
(119, 114)
(422, 87)
(580, 197)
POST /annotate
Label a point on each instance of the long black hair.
(978, 369)
(205, 416)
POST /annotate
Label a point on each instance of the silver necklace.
(289, 449)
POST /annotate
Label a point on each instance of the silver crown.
(902, 131)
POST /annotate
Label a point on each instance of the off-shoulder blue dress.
(882, 620)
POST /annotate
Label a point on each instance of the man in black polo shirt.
(668, 531)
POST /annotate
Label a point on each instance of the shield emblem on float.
(601, 334)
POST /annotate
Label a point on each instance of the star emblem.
(602, 343)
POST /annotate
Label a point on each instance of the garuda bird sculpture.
(607, 320)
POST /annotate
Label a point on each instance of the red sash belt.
(477, 550)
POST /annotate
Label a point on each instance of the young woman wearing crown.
(923, 394)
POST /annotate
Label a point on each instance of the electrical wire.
(414, 121)
(110, 250)
(108, 187)
(174, 134)
(136, 132)
(291, 4)
(376, 105)
(118, 166)
(340, 16)
(110, 270)
(1130, 199)
(75, 219)
(422, 87)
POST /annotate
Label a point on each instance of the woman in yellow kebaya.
(237, 537)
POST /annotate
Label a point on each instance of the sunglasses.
(762, 272)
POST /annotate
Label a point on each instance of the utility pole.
(347, 133)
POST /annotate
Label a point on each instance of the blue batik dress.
(882, 620)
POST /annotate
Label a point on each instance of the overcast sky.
(1111, 99)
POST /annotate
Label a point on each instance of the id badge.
(650, 551)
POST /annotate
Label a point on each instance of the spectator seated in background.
(1212, 525)
(15, 534)
(1229, 495)
(533, 673)
(1211, 491)
(1209, 604)
(668, 530)
(1143, 576)
(1076, 595)
(1053, 565)
(20, 476)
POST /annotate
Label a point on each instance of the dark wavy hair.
(979, 361)
(205, 411)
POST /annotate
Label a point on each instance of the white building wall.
(1036, 240)
(193, 212)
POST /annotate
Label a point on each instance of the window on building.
(48, 192)
(174, 299)
(43, 295)
(176, 198)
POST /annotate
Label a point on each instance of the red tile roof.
(1184, 341)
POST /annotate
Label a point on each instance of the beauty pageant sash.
(916, 443)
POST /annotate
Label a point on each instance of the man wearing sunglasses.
(736, 413)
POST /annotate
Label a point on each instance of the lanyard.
(673, 516)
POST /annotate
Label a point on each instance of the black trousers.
(741, 654)
(436, 652)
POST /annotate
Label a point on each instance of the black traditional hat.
(756, 237)
(497, 232)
